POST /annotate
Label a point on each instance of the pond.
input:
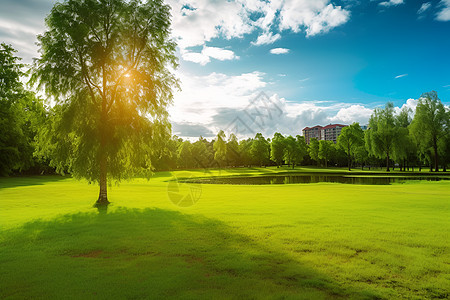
(292, 179)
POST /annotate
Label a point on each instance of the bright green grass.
(308, 241)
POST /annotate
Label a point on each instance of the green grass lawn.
(311, 241)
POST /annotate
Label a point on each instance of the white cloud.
(197, 22)
(279, 51)
(207, 53)
(425, 6)
(444, 14)
(410, 104)
(207, 20)
(226, 102)
(317, 16)
(400, 76)
(353, 113)
(196, 57)
(391, 3)
(202, 96)
(266, 38)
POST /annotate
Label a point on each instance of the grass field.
(301, 241)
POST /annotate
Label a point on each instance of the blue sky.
(317, 61)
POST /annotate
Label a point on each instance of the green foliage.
(220, 148)
(260, 150)
(431, 125)
(382, 133)
(277, 148)
(326, 151)
(350, 139)
(185, 155)
(106, 63)
(302, 149)
(233, 155)
(21, 114)
(201, 155)
(246, 158)
(313, 150)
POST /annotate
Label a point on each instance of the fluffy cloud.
(316, 16)
(391, 3)
(279, 51)
(207, 19)
(197, 22)
(207, 53)
(266, 38)
(353, 113)
(194, 22)
(238, 104)
(444, 14)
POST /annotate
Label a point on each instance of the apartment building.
(326, 133)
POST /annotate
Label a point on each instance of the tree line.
(390, 140)
(28, 143)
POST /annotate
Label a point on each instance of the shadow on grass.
(15, 181)
(150, 253)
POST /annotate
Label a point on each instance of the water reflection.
(292, 179)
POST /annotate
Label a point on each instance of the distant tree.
(431, 123)
(108, 66)
(349, 140)
(21, 114)
(220, 149)
(165, 158)
(291, 150)
(302, 149)
(260, 149)
(313, 150)
(404, 142)
(200, 154)
(233, 151)
(244, 152)
(277, 148)
(361, 155)
(185, 155)
(382, 133)
(326, 150)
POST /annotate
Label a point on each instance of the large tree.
(349, 140)
(260, 149)
(382, 133)
(220, 149)
(431, 123)
(313, 149)
(107, 65)
(277, 148)
(326, 150)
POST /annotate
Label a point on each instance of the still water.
(290, 179)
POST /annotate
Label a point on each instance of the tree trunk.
(102, 201)
(103, 194)
(436, 158)
(387, 163)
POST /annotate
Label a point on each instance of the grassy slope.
(310, 241)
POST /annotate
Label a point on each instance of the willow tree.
(431, 124)
(350, 138)
(382, 134)
(107, 65)
(277, 148)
